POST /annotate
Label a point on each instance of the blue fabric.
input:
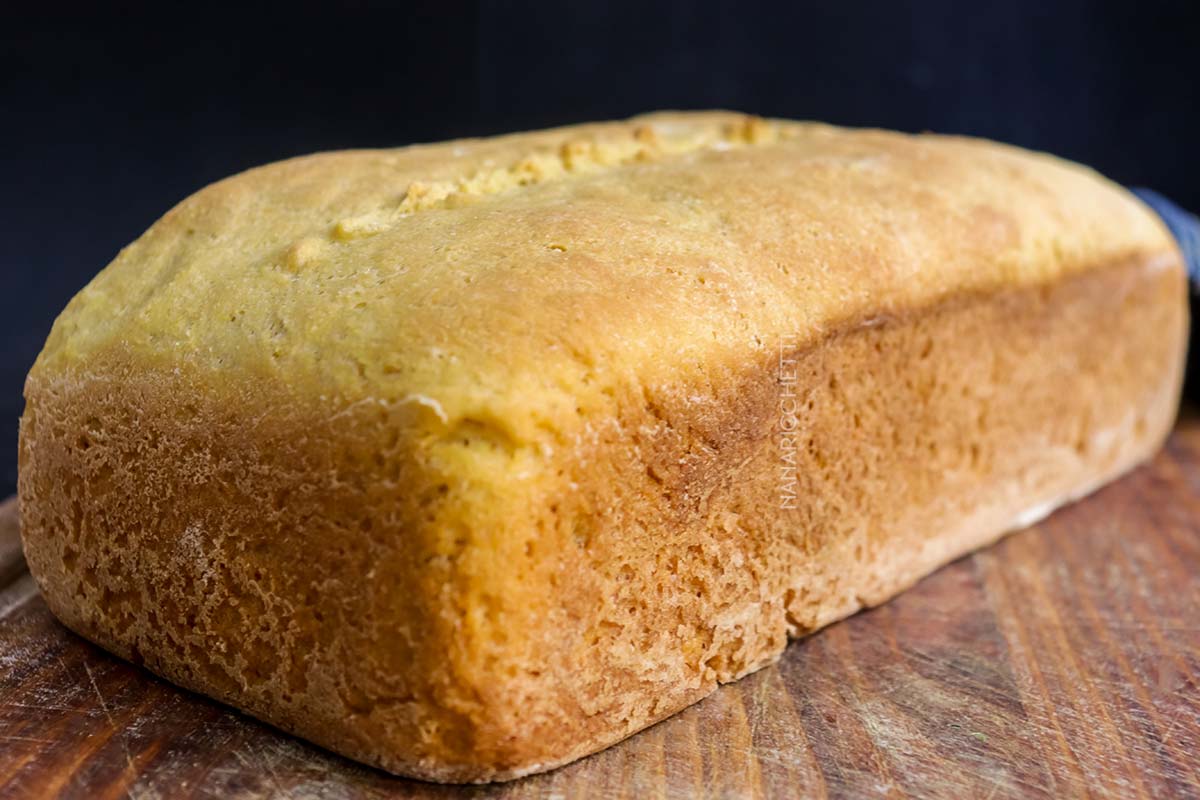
(1184, 226)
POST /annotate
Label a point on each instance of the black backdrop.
(109, 116)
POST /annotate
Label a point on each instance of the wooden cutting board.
(1063, 662)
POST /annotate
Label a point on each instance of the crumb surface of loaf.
(469, 459)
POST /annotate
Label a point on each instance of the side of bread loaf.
(467, 460)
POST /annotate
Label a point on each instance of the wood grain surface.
(1063, 662)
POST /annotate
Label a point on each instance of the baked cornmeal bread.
(466, 460)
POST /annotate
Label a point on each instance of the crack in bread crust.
(331, 571)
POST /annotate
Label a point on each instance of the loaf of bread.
(470, 459)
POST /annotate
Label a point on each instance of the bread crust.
(459, 589)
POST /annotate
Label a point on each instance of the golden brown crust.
(580, 513)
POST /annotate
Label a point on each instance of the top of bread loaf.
(512, 279)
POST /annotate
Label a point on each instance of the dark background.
(110, 116)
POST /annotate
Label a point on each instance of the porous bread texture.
(466, 468)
